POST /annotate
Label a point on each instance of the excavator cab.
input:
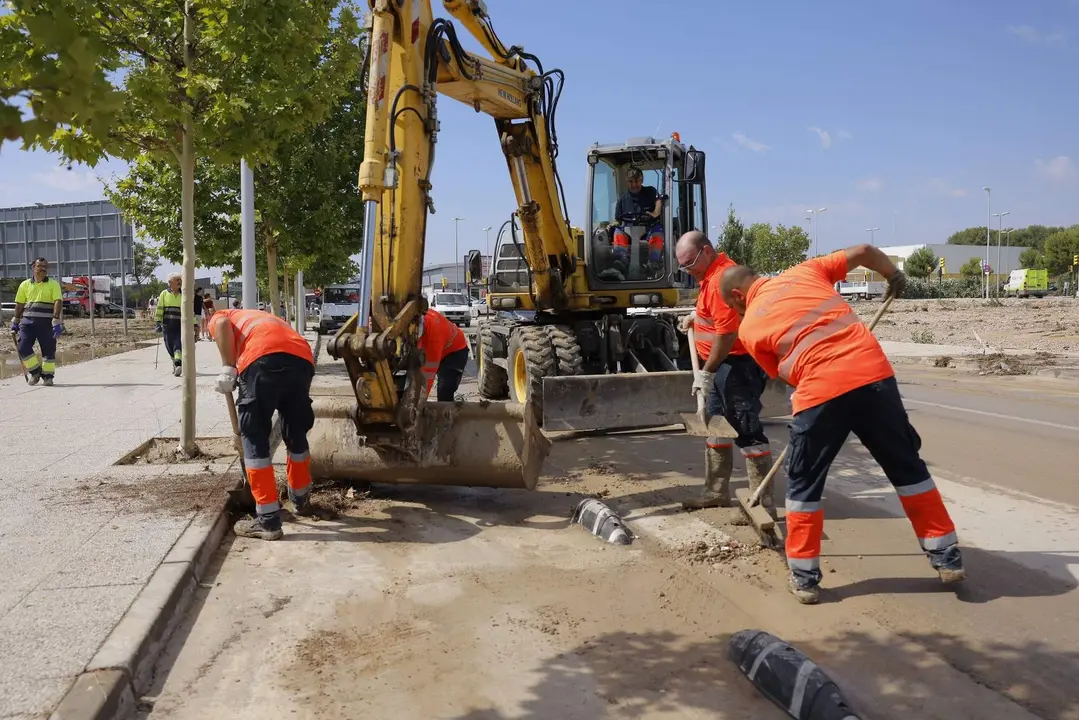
(628, 245)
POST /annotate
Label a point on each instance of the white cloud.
(942, 188)
(1059, 169)
(870, 184)
(1031, 35)
(749, 143)
(845, 135)
(68, 179)
(825, 137)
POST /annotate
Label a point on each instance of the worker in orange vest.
(274, 367)
(445, 350)
(729, 379)
(800, 329)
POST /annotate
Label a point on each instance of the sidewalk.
(81, 538)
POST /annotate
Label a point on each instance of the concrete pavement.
(82, 538)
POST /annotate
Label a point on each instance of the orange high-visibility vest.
(713, 316)
(440, 338)
(259, 333)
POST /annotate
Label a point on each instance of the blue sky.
(891, 115)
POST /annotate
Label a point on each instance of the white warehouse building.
(956, 256)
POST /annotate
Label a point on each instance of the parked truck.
(863, 290)
(1027, 283)
(81, 293)
(339, 303)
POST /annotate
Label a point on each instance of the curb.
(123, 667)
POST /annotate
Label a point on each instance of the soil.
(1049, 325)
(163, 451)
(172, 495)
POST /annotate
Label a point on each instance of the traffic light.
(942, 264)
(1075, 259)
(445, 283)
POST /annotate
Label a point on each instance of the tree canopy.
(920, 263)
(776, 249)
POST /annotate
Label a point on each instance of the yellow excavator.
(573, 305)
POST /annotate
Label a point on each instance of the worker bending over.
(167, 316)
(797, 327)
(445, 351)
(729, 378)
(38, 303)
(274, 366)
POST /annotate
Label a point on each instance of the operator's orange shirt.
(715, 317)
(259, 333)
(799, 328)
(440, 338)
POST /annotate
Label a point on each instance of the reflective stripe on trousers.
(756, 451)
(790, 347)
(260, 476)
(927, 514)
(805, 525)
(298, 472)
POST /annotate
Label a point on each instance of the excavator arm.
(412, 58)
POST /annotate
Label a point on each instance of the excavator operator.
(639, 205)
(445, 350)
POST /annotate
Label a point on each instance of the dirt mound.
(173, 495)
(165, 451)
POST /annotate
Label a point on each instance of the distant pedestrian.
(196, 309)
(274, 366)
(236, 305)
(168, 315)
(38, 300)
(207, 313)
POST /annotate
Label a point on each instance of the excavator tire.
(566, 349)
(493, 380)
(530, 358)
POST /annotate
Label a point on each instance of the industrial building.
(83, 238)
(956, 256)
(455, 274)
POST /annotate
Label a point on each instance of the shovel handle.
(756, 497)
(696, 368)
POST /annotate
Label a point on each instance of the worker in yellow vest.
(169, 307)
(38, 304)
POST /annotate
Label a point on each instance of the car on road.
(453, 305)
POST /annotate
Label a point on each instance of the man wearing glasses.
(730, 379)
(38, 303)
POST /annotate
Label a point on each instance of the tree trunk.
(187, 217)
(271, 270)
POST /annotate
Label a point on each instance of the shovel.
(699, 424)
(240, 499)
(15, 339)
(759, 516)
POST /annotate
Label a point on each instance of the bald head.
(734, 285)
(694, 253)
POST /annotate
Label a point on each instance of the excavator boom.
(413, 57)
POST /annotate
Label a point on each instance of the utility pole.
(1000, 224)
(456, 255)
(988, 224)
(809, 217)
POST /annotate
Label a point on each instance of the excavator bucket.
(637, 400)
(480, 444)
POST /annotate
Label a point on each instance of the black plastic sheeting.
(788, 678)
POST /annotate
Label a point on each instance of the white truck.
(861, 290)
(454, 305)
(339, 303)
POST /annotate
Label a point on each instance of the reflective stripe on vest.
(246, 321)
(38, 310)
(790, 347)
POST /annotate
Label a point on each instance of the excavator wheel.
(493, 380)
(531, 357)
(566, 349)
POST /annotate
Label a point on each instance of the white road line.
(1016, 418)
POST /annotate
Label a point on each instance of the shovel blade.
(464, 444)
(640, 400)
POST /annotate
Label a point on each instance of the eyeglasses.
(697, 257)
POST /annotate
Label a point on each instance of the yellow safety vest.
(38, 298)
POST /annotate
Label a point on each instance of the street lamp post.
(456, 255)
(988, 224)
(487, 242)
(816, 237)
(1000, 224)
(1008, 246)
(812, 231)
(872, 235)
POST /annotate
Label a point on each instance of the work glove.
(14, 327)
(897, 284)
(702, 382)
(57, 329)
(686, 321)
(226, 381)
(158, 328)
